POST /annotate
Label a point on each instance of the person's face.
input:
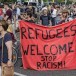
(9, 22)
(1, 28)
(45, 12)
(74, 11)
(28, 17)
(21, 16)
(32, 18)
(5, 6)
(13, 6)
(58, 8)
(65, 14)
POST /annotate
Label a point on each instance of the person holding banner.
(65, 16)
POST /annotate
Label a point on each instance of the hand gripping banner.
(48, 48)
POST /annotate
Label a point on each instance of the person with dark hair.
(8, 14)
(74, 12)
(7, 40)
(53, 15)
(10, 29)
(14, 10)
(29, 17)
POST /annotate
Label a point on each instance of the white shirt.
(18, 11)
(54, 13)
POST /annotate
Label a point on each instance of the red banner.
(48, 48)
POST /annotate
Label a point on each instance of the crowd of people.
(48, 15)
